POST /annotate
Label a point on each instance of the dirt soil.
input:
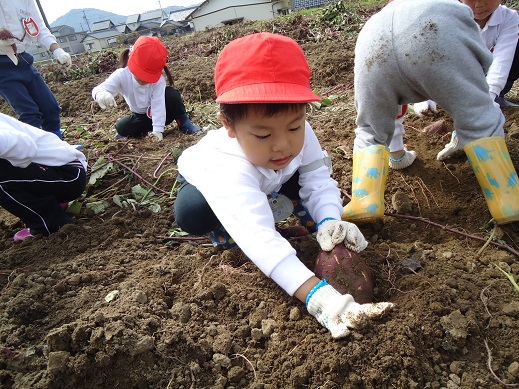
(115, 301)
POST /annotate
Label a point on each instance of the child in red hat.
(140, 81)
(268, 155)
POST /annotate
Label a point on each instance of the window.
(72, 38)
(89, 46)
(62, 39)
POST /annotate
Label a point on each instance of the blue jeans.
(27, 93)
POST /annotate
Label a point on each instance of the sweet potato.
(347, 272)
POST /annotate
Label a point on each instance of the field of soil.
(121, 299)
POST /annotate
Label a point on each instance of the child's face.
(482, 9)
(269, 142)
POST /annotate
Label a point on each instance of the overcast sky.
(53, 9)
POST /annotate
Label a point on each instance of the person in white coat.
(39, 175)
(21, 86)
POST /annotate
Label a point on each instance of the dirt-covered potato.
(347, 272)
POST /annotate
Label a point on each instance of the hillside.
(122, 299)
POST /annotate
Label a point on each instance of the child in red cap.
(140, 81)
(267, 154)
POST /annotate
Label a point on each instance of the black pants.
(34, 193)
(194, 215)
(137, 125)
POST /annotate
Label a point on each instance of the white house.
(216, 13)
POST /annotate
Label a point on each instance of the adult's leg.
(13, 89)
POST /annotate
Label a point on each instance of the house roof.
(157, 14)
(133, 18)
(298, 4)
(181, 15)
(102, 34)
(102, 25)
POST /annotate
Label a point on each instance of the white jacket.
(22, 144)
(12, 16)
(237, 192)
(500, 36)
(138, 97)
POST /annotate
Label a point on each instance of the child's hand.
(157, 136)
(424, 107)
(332, 232)
(62, 57)
(105, 100)
(339, 313)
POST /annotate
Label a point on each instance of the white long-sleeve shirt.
(12, 16)
(500, 36)
(138, 97)
(237, 190)
(22, 144)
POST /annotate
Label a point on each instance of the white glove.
(105, 100)
(405, 161)
(62, 57)
(451, 148)
(332, 232)
(338, 313)
(423, 107)
(155, 135)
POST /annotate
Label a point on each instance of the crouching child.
(271, 164)
(39, 175)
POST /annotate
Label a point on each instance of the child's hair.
(236, 112)
(123, 62)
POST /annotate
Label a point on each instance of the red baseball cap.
(147, 58)
(263, 68)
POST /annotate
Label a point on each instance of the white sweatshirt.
(237, 190)
(13, 13)
(138, 97)
(500, 37)
(22, 144)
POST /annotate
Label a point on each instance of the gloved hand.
(424, 107)
(332, 232)
(8, 44)
(451, 148)
(156, 135)
(105, 100)
(338, 313)
(62, 57)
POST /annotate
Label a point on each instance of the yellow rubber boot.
(370, 166)
(497, 177)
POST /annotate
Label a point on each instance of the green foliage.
(99, 170)
(139, 197)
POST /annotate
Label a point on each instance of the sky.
(53, 9)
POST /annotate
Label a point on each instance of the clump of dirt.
(119, 299)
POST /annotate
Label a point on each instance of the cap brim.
(268, 93)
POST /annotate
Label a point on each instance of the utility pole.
(161, 10)
(43, 14)
(86, 20)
